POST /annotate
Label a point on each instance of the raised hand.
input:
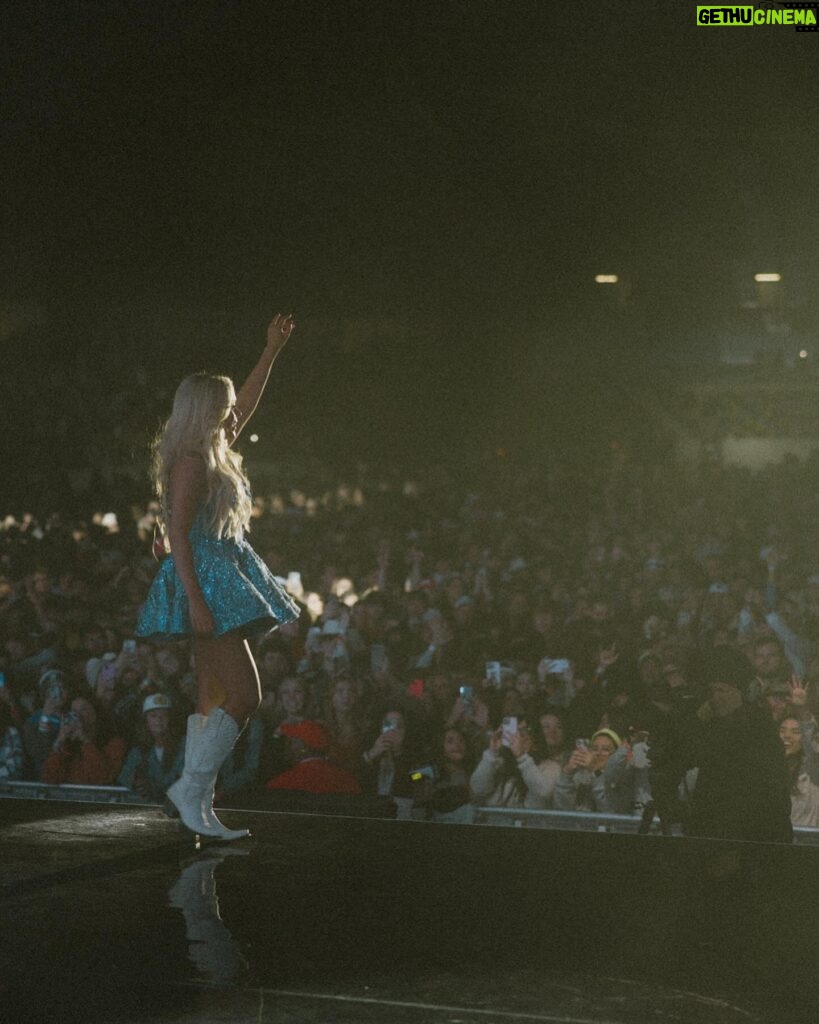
(460, 711)
(798, 692)
(384, 742)
(581, 757)
(608, 656)
(279, 330)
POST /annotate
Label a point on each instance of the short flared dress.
(242, 594)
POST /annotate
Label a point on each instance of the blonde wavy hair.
(195, 427)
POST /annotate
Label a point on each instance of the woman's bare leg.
(227, 677)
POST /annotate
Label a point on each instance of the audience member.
(288, 708)
(42, 727)
(345, 724)
(742, 789)
(84, 752)
(157, 760)
(392, 758)
(308, 743)
(596, 777)
(550, 743)
(452, 767)
(798, 733)
(507, 775)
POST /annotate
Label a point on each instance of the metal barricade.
(572, 821)
(576, 821)
(85, 794)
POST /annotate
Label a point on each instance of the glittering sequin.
(239, 589)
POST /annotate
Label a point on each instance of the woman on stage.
(212, 585)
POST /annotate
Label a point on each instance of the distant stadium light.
(803, 354)
(606, 279)
(254, 438)
(767, 277)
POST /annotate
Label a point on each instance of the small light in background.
(254, 438)
(767, 277)
(606, 279)
(803, 354)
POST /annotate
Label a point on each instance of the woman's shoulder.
(186, 472)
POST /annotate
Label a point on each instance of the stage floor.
(111, 914)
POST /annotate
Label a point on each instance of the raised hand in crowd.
(798, 693)
(386, 742)
(607, 657)
(469, 710)
(580, 757)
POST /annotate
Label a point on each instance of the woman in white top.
(508, 776)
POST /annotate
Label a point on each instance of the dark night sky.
(459, 163)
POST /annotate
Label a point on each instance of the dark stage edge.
(110, 914)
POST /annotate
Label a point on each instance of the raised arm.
(247, 398)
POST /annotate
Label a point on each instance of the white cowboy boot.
(194, 733)
(218, 739)
(208, 742)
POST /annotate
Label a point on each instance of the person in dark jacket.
(742, 789)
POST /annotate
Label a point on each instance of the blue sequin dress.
(241, 592)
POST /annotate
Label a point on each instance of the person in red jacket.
(308, 743)
(83, 754)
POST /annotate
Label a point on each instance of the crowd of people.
(601, 636)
